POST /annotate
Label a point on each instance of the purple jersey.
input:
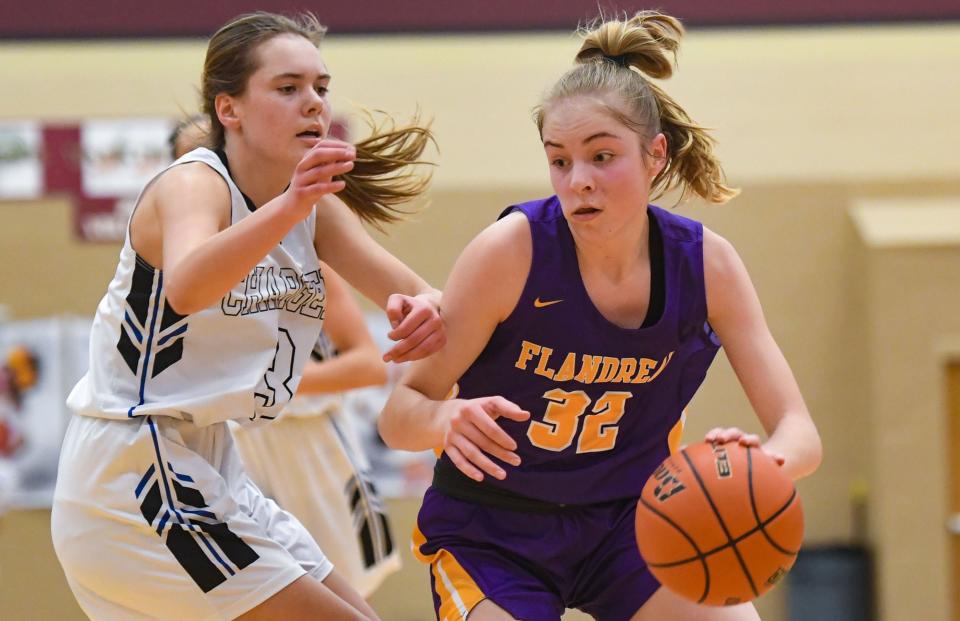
(603, 399)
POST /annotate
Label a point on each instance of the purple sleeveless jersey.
(603, 399)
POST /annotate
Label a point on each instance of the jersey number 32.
(562, 420)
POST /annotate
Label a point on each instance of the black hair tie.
(619, 59)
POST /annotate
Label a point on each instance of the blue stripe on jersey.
(172, 505)
(206, 542)
(176, 332)
(163, 521)
(183, 477)
(143, 481)
(201, 513)
(133, 326)
(149, 345)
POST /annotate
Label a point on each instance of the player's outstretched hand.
(722, 435)
(472, 434)
(416, 326)
(313, 176)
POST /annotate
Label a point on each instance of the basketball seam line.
(700, 556)
(735, 541)
(723, 525)
(756, 514)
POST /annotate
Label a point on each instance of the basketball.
(719, 524)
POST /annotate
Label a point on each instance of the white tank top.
(241, 358)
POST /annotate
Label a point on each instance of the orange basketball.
(719, 524)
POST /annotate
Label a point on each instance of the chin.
(294, 155)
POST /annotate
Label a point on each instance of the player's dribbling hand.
(313, 176)
(416, 325)
(722, 435)
(472, 434)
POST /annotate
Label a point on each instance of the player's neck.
(259, 178)
(617, 253)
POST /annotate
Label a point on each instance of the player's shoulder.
(194, 174)
(511, 227)
(194, 179)
(718, 252)
(723, 270)
(506, 241)
(538, 210)
(496, 262)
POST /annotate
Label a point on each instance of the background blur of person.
(310, 459)
(188, 134)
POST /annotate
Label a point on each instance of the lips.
(582, 211)
(310, 133)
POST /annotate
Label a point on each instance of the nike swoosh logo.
(538, 304)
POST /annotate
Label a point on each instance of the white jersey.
(239, 359)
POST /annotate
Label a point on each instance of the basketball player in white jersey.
(310, 460)
(215, 308)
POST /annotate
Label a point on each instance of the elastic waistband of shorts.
(448, 480)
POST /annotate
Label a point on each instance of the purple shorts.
(533, 565)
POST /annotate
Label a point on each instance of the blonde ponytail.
(691, 164)
(613, 59)
(648, 41)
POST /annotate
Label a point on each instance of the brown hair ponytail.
(381, 179)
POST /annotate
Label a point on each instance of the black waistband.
(448, 480)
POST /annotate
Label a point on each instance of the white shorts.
(314, 467)
(155, 518)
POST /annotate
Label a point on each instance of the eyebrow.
(299, 76)
(550, 143)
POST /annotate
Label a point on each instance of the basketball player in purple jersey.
(579, 326)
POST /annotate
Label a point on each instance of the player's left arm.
(734, 312)
(412, 305)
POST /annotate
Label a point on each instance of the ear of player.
(719, 524)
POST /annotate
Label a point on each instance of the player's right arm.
(201, 254)
(482, 290)
(734, 312)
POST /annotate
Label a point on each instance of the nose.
(581, 179)
(315, 103)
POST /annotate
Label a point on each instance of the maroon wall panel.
(180, 18)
